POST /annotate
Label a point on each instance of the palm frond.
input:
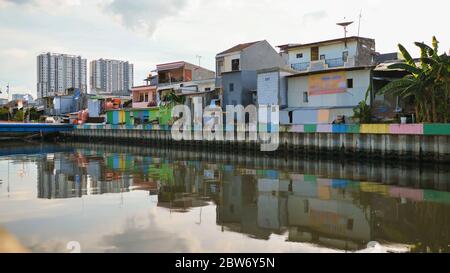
(425, 48)
(409, 60)
(396, 85)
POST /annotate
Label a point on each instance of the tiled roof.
(238, 47)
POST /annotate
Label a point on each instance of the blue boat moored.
(17, 130)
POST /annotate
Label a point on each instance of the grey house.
(237, 70)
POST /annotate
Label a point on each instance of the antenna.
(199, 59)
(359, 22)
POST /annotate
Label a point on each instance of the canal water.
(106, 198)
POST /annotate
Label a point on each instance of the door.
(314, 53)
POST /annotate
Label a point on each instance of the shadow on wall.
(9, 244)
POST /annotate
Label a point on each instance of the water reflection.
(325, 203)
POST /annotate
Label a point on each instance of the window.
(345, 56)
(349, 83)
(299, 55)
(234, 102)
(146, 97)
(141, 97)
(231, 87)
(290, 117)
(305, 97)
(322, 57)
(235, 64)
(267, 79)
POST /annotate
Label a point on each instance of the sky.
(148, 32)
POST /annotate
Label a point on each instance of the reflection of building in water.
(188, 184)
(61, 176)
(336, 213)
(310, 209)
(238, 207)
(272, 203)
(257, 201)
(324, 211)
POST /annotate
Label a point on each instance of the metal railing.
(338, 62)
(301, 66)
(316, 65)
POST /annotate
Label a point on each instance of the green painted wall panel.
(310, 128)
(353, 128)
(128, 120)
(109, 117)
(436, 129)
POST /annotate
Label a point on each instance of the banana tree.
(427, 84)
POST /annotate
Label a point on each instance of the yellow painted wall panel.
(374, 129)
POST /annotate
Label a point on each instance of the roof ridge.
(239, 47)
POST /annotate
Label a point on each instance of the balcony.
(332, 63)
(323, 64)
(301, 66)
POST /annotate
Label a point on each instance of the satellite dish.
(345, 25)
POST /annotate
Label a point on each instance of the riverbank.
(415, 142)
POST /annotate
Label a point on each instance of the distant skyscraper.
(58, 72)
(111, 76)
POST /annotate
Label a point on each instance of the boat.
(10, 131)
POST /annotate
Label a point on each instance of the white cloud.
(182, 29)
(143, 16)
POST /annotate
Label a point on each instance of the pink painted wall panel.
(322, 128)
(297, 129)
(406, 129)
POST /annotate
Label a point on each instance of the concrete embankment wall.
(391, 141)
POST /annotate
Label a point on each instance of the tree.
(427, 83)
(173, 98)
(363, 112)
(4, 114)
(19, 116)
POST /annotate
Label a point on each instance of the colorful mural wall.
(131, 117)
(386, 129)
(329, 83)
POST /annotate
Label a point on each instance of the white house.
(337, 53)
(332, 77)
